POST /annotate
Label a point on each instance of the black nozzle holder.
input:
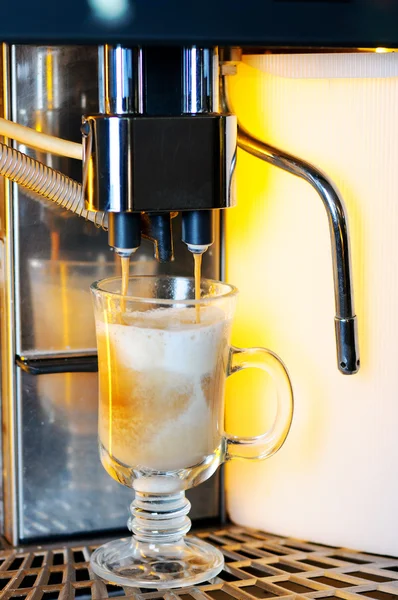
(197, 229)
(157, 228)
(124, 232)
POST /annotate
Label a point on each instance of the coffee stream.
(197, 273)
(125, 260)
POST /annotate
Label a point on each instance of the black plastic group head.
(157, 227)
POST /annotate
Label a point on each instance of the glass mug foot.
(158, 555)
(128, 562)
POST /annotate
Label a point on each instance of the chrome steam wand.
(345, 320)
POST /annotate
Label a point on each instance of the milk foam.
(168, 339)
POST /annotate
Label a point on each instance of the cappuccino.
(161, 386)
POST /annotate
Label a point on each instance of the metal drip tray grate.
(257, 566)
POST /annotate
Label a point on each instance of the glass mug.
(163, 358)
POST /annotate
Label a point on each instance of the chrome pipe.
(120, 80)
(345, 320)
(200, 80)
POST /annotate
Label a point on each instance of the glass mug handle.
(264, 445)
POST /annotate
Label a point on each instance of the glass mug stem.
(159, 518)
(265, 445)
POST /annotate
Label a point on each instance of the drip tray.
(257, 565)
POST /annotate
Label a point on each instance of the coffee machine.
(54, 255)
(142, 87)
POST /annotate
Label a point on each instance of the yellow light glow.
(247, 411)
(89, 183)
(49, 78)
(379, 50)
(38, 122)
(274, 253)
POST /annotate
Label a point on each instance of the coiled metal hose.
(48, 183)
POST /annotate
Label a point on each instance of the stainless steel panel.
(65, 489)
(54, 481)
(51, 88)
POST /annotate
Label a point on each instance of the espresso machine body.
(53, 483)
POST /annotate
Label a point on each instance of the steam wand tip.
(347, 345)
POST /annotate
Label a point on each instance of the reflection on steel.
(116, 80)
(120, 80)
(200, 80)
